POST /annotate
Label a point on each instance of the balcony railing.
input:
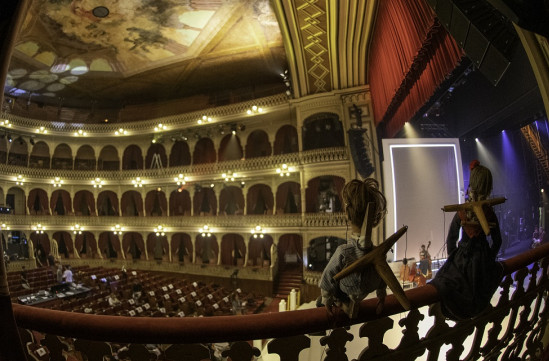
(512, 329)
(178, 224)
(211, 170)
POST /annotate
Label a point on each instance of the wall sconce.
(97, 183)
(160, 231)
(5, 123)
(229, 176)
(39, 228)
(3, 226)
(42, 130)
(117, 230)
(181, 180)
(137, 182)
(57, 182)
(204, 119)
(160, 127)
(254, 110)
(19, 180)
(76, 229)
(205, 230)
(121, 131)
(258, 231)
(80, 133)
(285, 170)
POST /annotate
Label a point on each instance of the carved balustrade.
(206, 171)
(180, 223)
(512, 329)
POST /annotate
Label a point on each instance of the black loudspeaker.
(362, 161)
(486, 36)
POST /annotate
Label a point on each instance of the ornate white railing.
(174, 224)
(174, 122)
(209, 170)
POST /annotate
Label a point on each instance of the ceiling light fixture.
(121, 131)
(254, 110)
(19, 180)
(42, 130)
(80, 133)
(160, 127)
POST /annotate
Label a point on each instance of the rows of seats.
(161, 296)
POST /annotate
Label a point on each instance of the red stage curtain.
(204, 152)
(259, 249)
(132, 158)
(199, 198)
(410, 56)
(150, 199)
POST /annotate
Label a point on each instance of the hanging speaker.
(361, 159)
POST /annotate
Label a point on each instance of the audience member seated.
(113, 300)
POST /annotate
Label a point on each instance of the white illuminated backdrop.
(420, 177)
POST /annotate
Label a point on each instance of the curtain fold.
(410, 56)
(286, 140)
(180, 154)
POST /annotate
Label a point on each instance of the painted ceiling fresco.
(134, 51)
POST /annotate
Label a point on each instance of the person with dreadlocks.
(350, 290)
(471, 274)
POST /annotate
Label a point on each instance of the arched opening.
(260, 200)
(258, 145)
(207, 249)
(157, 247)
(286, 140)
(180, 154)
(322, 130)
(288, 198)
(15, 200)
(156, 204)
(84, 203)
(37, 202)
(132, 158)
(204, 152)
(230, 148)
(3, 150)
(259, 251)
(156, 157)
(323, 194)
(180, 203)
(132, 204)
(109, 245)
(107, 204)
(182, 248)
(86, 245)
(108, 159)
(204, 202)
(18, 152)
(41, 244)
(85, 158)
(60, 203)
(65, 245)
(290, 251)
(233, 250)
(231, 201)
(40, 156)
(320, 250)
(62, 157)
(133, 245)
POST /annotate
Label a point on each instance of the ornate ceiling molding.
(326, 42)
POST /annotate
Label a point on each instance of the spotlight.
(21, 142)
(31, 140)
(233, 128)
(9, 138)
